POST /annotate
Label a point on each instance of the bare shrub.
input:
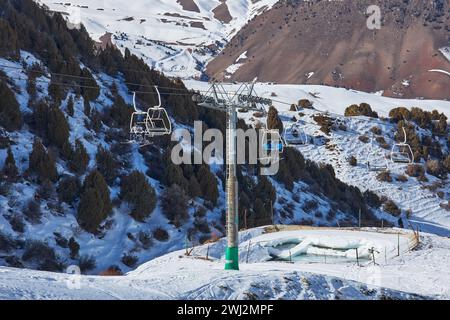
(384, 176)
(160, 234)
(392, 208)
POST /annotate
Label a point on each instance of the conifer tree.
(106, 164)
(70, 107)
(135, 190)
(42, 163)
(194, 187)
(173, 174)
(174, 203)
(79, 159)
(121, 112)
(10, 115)
(208, 184)
(95, 204)
(10, 170)
(91, 210)
(69, 189)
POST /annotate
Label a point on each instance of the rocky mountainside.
(328, 42)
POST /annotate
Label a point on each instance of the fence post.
(373, 256)
(398, 244)
(207, 253)
(359, 218)
(357, 257)
(290, 256)
(248, 250)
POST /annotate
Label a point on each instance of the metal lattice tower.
(217, 98)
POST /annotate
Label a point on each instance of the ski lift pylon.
(402, 152)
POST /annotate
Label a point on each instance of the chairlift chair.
(146, 125)
(138, 124)
(294, 135)
(273, 144)
(272, 141)
(375, 161)
(402, 152)
(158, 122)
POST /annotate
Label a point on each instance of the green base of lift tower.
(232, 259)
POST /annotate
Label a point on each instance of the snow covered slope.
(177, 37)
(331, 99)
(425, 205)
(422, 272)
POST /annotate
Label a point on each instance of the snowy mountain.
(75, 192)
(177, 37)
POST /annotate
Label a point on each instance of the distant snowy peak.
(177, 37)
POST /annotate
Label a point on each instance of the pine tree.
(173, 174)
(261, 215)
(74, 248)
(91, 90)
(8, 39)
(208, 184)
(69, 189)
(194, 187)
(106, 164)
(135, 190)
(265, 190)
(97, 181)
(79, 159)
(87, 107)
(41, 163)
(70, 107)
(95, 204)
(10, 115)
(120, 112)
(174, 203)
(90, 210)
(10, 170)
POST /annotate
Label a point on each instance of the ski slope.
(174, 39)
(420, 273)
(424, 204)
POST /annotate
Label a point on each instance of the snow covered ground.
(173, 39)
(413, 195)
(422, 272)
(331, 99)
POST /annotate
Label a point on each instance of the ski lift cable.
(91, 79)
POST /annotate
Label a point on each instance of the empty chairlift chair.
(402, 152)
(158, 122)
(138, 124)
(294, 135)
(376, 160)
(146, 125)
